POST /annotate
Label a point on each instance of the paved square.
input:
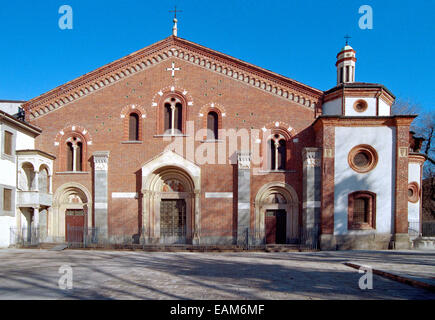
(34, 274)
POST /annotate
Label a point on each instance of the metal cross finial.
(175, 12)
(347, 37)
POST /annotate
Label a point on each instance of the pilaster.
(101, 160)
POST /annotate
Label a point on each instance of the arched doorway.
(276, 214)
(171, 188)
(170, 206)
(72, 213)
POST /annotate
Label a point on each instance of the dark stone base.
(401, 241)
(356, 242)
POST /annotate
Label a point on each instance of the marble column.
(244, 196)
(311, 196)
(101, 159)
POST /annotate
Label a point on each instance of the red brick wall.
(99, 113)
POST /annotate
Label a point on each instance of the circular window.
(413, 192)
(363, 158)
(360, 106)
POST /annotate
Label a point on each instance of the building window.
(74, 153)
(212, 125)
(362, 210)
(8, 143)
(413, 192)
(133, 129)
(173, 116)
(363, 158)
(277, 152)
(29, 173)
(360, 105)
(7, 199)
(43, 181)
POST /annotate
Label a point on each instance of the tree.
(423, 126)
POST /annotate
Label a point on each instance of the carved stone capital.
(311, 157)
(244, 160)
(101, 160)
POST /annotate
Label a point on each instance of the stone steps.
(424, 243)
(182, 247)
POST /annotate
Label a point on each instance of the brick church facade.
(178, 143)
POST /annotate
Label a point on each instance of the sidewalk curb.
(392, 276)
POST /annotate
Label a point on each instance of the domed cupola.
(346, 65)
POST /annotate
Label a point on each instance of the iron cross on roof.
(347, 37)
(175, 12)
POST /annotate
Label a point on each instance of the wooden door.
(275, 225)
(74, 225)
(270, 226)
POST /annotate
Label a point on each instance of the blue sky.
(298, 39)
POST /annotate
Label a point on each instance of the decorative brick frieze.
(171, 48)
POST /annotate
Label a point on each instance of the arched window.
(43, 181)
(74, 154)
(29, 174)
(362, 210)
(277, 149)
(212, 125)
(133, 128)
(173, 116)
(69, 156)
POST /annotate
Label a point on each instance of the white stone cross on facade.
(173, 69)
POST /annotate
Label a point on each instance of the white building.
(25, 175)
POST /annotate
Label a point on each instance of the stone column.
(35, 182)
(197, 218)
(244, 196)
(101, 159)
(35, 219)
(311, 196)
(35, 226)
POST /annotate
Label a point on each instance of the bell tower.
(346, 64)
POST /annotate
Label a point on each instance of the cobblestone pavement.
(34, 274)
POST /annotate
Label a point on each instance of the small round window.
(363, 158)
(360, 106)
(413, 192)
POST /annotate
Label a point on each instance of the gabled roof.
(173, 47)
(18, 123)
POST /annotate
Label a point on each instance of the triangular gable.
(169, 48)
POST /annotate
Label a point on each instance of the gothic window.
(74, 154)
(212, 125)
(173, 116)
(277, 152)
(362, 210)
(133, 128)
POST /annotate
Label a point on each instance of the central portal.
(276, 223)
(173, 226)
